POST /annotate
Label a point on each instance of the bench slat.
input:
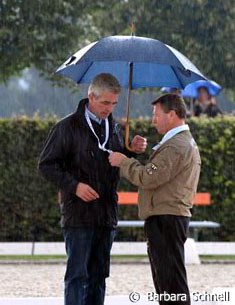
(132, 198)
(192, 224)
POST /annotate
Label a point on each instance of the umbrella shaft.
(127, 128)
(129, 91)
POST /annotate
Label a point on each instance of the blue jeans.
(88, 262)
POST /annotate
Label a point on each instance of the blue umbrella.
(137, 62)
(192, 90)
(154, 64)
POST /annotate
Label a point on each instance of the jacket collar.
(170, 134)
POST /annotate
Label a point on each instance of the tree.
(41, 33)
(203, 30)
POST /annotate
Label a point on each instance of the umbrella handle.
(127, 133)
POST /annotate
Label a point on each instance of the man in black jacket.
(75, 158)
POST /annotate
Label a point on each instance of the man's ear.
(172, 114)
(91, 96)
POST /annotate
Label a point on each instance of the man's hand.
(139, 144)
(116, 158)
(85, 192)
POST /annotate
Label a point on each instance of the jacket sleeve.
(52, 159)
(163, 167)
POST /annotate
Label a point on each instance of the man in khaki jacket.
(167, 184)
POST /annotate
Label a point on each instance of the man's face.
(203, 95)
(103, 105)
(161, 121)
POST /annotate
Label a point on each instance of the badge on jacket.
(151, 169)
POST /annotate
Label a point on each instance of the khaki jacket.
(168, 182)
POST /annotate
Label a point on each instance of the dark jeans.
(88, 253)
(166, 235)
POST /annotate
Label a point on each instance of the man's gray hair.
(104, 82)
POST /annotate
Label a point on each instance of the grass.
(55, 257)
(217, 257)
(32, 257)
(114, 257)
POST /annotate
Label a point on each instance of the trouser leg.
(100, 264)
(88, 252)
(78, 242)
(166, 235)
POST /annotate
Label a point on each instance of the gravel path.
(33, 280)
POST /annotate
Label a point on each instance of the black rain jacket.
(71, 155)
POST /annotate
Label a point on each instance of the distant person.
(201, 103)
(167, 185)
(75, 159)
(212, 109)
(175, 91)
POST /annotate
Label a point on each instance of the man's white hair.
(104, 82)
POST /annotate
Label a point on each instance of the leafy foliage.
(40, 33)
(27, 212)
(28, 204)
(200, 29)
(44, 33)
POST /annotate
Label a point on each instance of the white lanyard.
(102, 147)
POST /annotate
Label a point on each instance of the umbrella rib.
(88, 67)
(182, 86)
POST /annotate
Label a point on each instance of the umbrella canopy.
(136, 62)
(192, 90)
(151, 63)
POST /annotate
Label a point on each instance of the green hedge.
(28, 204)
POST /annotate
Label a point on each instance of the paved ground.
(33, 280)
